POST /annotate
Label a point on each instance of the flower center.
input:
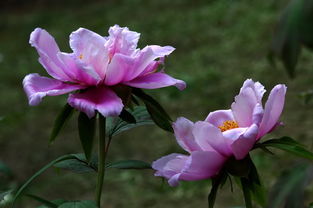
(80, 56)
(228, 125)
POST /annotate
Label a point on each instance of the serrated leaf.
(61, 119)
(156, 111)
(43, 201)
(79, 204)
(288, 144)
(21, 190)
(290, 187)
(117, 125)
(129, 164)
(79, 164)
(86, 129)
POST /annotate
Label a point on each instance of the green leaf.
(117, 125)
(79, 204)
(61, 119)
(245, 183)
(156, 111)
(79, 164)
(86, 129)
(43, 201)
(127, 117)
(287, 144)
(129, 164)
(216, 182)
(58, 202)
(21, 190)
(289, 189)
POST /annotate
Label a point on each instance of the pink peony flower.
(223, 134)
(96, 65)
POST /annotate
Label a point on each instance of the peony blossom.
(223, 134)
(96, 65)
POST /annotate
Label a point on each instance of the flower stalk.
(101, 159)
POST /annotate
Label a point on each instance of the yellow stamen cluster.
(81, 56)
(228, 125)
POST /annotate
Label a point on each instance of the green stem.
(101, 159)
(246, 193)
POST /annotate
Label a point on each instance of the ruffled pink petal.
(118, 69)
(273, 108)
(243, 107)
(73, 70)
(257, 87)
(217, 118)
(37, 87)
(146, 56)
(156, 80)
(122, 40)
(47, 49)
(170, 167)
(92, 56)
(233, 134)
(242, 146)
(183, 132)
(210, 137)
(102, 99)
(202, 165)
(257, 114)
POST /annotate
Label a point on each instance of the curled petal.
(202, 165)
(217, 118)
(156, 80)
(37, 87)
(257, 87)
(210, 137)
(47, 49)
(122, 40)
(183, 132)
(244, 143)
(102, 99)
(91, 54)
(243, 107)
(273, 108)
(170, 167)
(146, 56)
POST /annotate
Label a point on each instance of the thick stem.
(246, 193)
(101, 159)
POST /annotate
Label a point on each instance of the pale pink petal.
(202, 165)
(183, 132)
(169, 165)
(92, 56)
(73, 70)
(47, 49)
(156, 80)
(146, 56)
(257, 87)
(242, 146)
(37, 87)
(257, 114)
(118, 69)
(217, 118)
(100, 99)
(233, 134)
(122, 40)
(208, 136)
(273, 108)
(243, 107)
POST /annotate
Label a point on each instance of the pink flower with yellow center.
(223, 134)
(96, 65)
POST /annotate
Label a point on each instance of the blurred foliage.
(218, 45)
(294, 31)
